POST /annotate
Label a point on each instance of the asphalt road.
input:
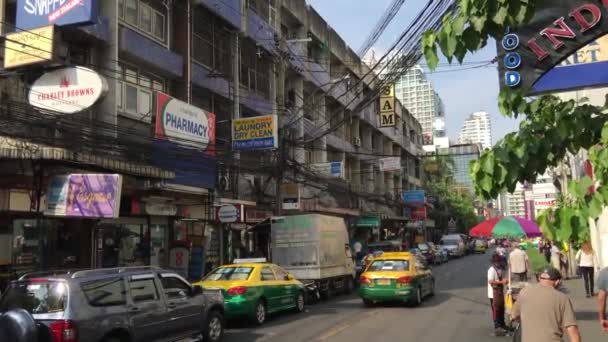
(458, 312)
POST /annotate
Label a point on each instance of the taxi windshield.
(230, 273)
(450, 242)
(389, 265)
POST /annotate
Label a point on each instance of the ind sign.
(37, 13)
(528, 55)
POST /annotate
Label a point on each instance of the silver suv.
(117, 305)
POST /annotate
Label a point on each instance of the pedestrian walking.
(556, 256)
(547, 251)
(587, 263)
(602, 286)
(519, 264)
(496, 294)
(544, 312)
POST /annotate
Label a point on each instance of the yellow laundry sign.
(387, 106)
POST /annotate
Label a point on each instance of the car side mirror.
(196, 290)
(289, 277)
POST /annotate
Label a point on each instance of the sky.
(462, 91)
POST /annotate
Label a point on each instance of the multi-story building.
(461, 156)
(477, 129)
(417, 94)
(171, 79)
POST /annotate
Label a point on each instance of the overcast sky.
(463, 91)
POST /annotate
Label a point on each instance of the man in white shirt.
(519, 264)
(496, 284)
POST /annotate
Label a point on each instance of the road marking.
(333, 332)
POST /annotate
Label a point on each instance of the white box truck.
(315, 249)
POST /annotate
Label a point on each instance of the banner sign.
(332, 169)
(558, 29)
(37, 13)
(390, 164)
(418, 214)
(184, 124)
(230, 213)
(544, 204)
(387, 106)
(255, 133)
(29, 47)
(68, 90)
(414, 198)
(85, 195)
(291, 196)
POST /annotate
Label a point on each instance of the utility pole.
(280, 107)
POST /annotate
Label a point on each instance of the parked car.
(116, 304)
(430, 254)
(396, 276)
(454, 244)
(254, 288)
(441, 254)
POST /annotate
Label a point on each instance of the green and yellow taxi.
(254, 288)
(396, 276)
(481, 246)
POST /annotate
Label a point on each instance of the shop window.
(143, 290)
(174, 287)
(135, 92)
(105, 292)
(143, 17)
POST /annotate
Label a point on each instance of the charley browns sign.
(558, 29)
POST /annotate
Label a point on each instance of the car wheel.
(418, 299)
(349, 285)
(300, 302)
(214, 328)
(260, 312)
(368, 303)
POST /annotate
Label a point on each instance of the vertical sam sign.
(387, 106)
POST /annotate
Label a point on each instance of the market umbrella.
(506, 228)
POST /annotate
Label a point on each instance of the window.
(37, 298)
(389, 265)
(281, 273)
(134, 93)
(174, 287)
(267, 274)
(144, 17)
(229, 273)
(212, 43)
(105, 292)
(143, 289)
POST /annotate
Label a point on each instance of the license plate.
(383, 281)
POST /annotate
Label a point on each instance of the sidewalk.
(586, 311)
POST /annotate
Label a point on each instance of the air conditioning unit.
(357, 142)
(224, 182)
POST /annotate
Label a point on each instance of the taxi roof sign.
(250, 261)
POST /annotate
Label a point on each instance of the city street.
(458, 312)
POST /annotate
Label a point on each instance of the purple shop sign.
(85, 195)
(94, 195)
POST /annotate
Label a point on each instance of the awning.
(395, 218)
(18, 149)
(368, 221)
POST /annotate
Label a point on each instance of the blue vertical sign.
(413, 198)
(39, 13)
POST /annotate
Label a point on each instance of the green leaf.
(596, 206)
(487, 164)
(458, 24)
(564, 233)
(605, 133)
(582, 188)
(501, 15)
(471, 38)
(486, 183)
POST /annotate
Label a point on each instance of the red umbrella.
(484, 229)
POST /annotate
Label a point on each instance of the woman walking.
(588, 263)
